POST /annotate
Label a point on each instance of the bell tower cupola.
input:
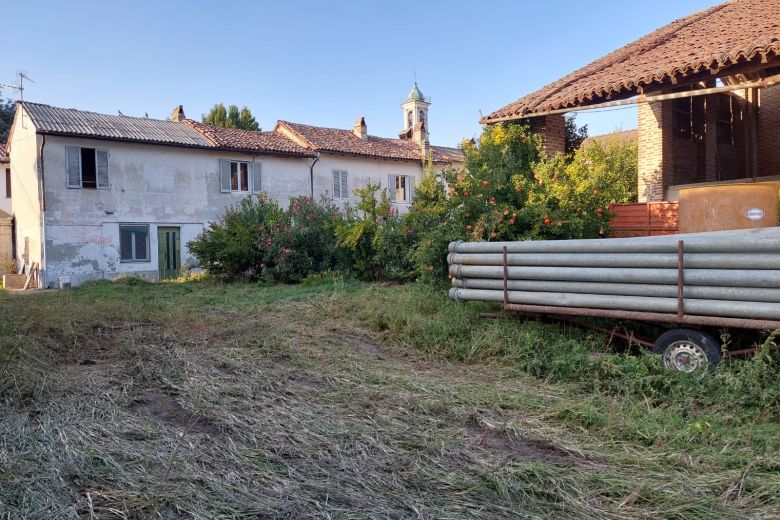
(415, 112)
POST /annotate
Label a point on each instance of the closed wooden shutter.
(336, 184)
(101, 158)
(391, 180)
(224, 176)
(344, 188)
(257, 185)
(73, 166)
(410, 189)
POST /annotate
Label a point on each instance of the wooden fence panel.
(643, 219)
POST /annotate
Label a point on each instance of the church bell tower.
(415, 111)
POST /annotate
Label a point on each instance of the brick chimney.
(360, 129)
(178, 114)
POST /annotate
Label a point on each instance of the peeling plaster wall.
(360, 171)
(26, 196)
(149, 184)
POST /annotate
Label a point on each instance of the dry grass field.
(336, 399)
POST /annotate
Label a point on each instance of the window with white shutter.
(87, 168)
(73, 166)
(224, 176)
(400, 188)
(234, 176)
(340, 184)
(257, 184)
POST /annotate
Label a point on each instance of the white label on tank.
(755, 213)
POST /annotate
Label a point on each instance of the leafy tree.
(511, 191)
(7, 109)
(247, 121)
(231, 117)
(575, 135)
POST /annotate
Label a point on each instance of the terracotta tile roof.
(4, 154)
(446, 154)
(249, 141)
(336, 140)
(344, 141)
(69, 121)
(723, 35)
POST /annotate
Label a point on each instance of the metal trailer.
(688, 347)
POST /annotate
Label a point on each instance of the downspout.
(41, 268)
(311, 175)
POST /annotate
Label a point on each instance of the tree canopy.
(231, 117)
(7, 108)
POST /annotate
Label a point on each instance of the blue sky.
(317, 62)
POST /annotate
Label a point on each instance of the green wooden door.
(169, 252)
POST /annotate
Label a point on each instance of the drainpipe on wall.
(41, 268)
(311, 175)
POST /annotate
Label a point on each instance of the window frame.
(247, 173)
(8, 183)
(97, 151)
(393, 185)
(133, 243)
(342, 178)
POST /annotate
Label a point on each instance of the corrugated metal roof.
(69, 121)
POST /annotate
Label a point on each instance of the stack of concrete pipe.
(732, 274)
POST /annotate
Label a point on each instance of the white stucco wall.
(26, 196)
(360, 172)
(153, 185)
(149, 184)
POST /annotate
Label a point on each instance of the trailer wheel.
(688, 350)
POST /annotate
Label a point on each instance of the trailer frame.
(567, 314)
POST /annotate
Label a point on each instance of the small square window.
(134, 243)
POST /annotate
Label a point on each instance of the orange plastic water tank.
(728, 206)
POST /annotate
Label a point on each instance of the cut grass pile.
(336, 399)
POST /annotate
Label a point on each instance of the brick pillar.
(655, 156)
(769, 131)
(553, 131)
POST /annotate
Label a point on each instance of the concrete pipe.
(644, 260)
(738, 241)
(709, 277)
(624, 289)
(752, 310)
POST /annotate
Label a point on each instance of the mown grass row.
(442, 414)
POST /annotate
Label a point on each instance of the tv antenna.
(19, 86)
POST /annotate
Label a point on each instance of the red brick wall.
(553, 131)
(769, 131)
(655, 160)
(666, 158)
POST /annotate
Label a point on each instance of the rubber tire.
(708, 344)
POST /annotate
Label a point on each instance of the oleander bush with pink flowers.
(259, 240)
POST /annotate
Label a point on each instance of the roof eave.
(178, 145)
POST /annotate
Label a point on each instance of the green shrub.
(303, 242)
(377, 237)
(227, 248)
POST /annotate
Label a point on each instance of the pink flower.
(310, 215)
